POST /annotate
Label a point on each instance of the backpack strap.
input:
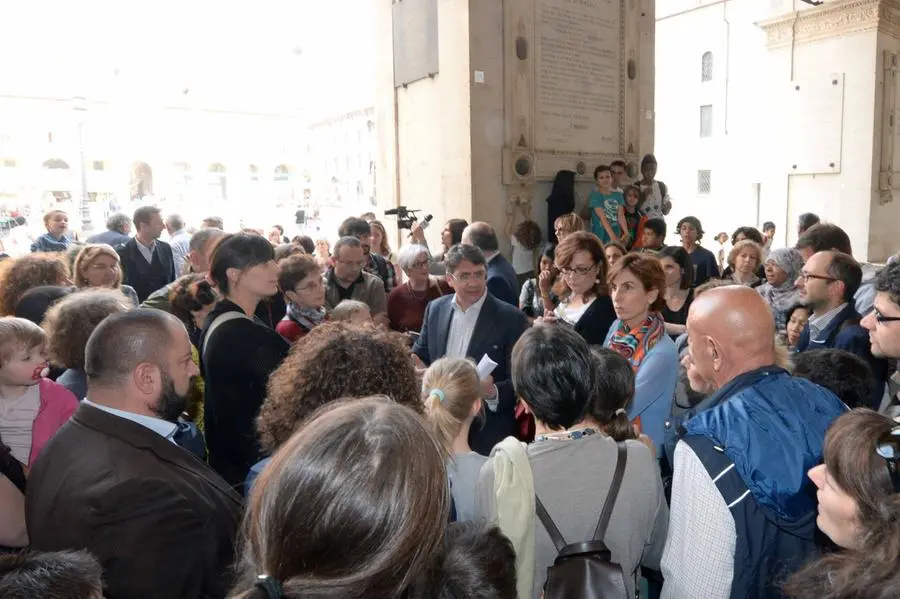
(558, 541)
(606, 514)
(215, 324)
(12, 469)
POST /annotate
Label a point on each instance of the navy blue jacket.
(497, 329)
(143, 276)
(757, 443)
(502, 281)
(113, 238)
(844, 332)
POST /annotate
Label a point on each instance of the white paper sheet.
(485, 367)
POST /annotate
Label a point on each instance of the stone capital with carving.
(833, 19)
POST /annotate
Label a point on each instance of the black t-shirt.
(705, 265)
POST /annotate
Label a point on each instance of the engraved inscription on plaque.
(578, 76)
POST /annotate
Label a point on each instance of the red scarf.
(634, 345)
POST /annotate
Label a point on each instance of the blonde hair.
(346, 309)
(450, 387)
(569, 223)
(18, 334)
(87, 255)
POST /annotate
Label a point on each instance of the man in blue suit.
(501, 276)
(117, 231)
(472, 323)
(828, 283)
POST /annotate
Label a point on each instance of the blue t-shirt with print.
(609, 205)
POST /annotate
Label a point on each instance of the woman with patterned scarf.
(782, 269)
(300, 279)
(637, 284)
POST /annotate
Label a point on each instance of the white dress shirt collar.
(163, 428)
(476, 306)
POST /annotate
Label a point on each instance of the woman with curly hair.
(30, 271)
(97, 265)
(69, 324)
(859, 509)
(526, 241)
(335, 360)
(191, 300)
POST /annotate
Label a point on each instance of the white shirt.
(163, 428)
(572, 315)
(698, 560)
(652, 206)
(146, 252)
(17, 420)
(522, 259)
(462, 325)
(180, 242)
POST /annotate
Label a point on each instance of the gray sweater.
(572, 479)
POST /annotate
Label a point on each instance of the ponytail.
(613, 391)
(450, 388)
(619, 426)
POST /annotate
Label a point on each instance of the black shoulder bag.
(585, 570)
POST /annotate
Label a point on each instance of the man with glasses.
(372, 262)
(883, 324)
(827, 285)
(473, 323)
(501, 276)
(347, 280)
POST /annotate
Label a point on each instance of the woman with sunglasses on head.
(858, 489)
(584, 302)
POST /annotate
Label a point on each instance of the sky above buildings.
(309, 57)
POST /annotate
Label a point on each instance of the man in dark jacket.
(147, 263)
(118, 226)
(827, 284)
(113, 481)
(501, 276)
(374, 264)
(743, 513)
(472, 323)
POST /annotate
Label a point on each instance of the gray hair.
(463, 253)
(482, 236)
(175, 221)
(407, 255)
(203, 237)
(345, 242)
(118, 222)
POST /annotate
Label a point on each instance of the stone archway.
(141, 180)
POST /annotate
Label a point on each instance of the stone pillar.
(833, 76)
(481, 102)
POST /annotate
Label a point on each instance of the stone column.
(481, 102)
(833, 82)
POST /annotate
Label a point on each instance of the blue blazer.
(113, 238)
(502, 281)
(851, 337)
(497, 329)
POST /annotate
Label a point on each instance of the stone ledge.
(835, 19)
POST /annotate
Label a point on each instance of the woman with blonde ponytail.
(452, 395)
(859, 509)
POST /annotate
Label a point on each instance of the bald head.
(123, 341)
(731, 331)
(482, 236)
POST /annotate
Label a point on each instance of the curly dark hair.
(529, 234)
(335, 360)
(70, 322)
(30, 271)
(190, 293)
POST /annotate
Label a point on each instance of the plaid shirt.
(390, 281)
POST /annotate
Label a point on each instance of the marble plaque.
(579, 76)
(415, 34)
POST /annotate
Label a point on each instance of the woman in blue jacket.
(637, 285)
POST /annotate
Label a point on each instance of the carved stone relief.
(833, 19)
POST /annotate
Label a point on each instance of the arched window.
(706, 67)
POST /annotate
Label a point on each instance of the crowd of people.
(243, 415)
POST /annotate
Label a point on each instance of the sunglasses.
(889, 449)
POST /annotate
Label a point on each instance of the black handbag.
(585, 570)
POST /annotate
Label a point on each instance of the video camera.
(406, 217)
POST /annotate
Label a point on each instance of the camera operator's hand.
(417, 234)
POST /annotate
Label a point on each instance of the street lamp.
(80, 106)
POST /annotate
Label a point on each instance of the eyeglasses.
(470, 276)
(889, 449)
(578, 270)
(316, 283)
(419, 264)
(881, 318)
(353, 263)
(806, 277)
